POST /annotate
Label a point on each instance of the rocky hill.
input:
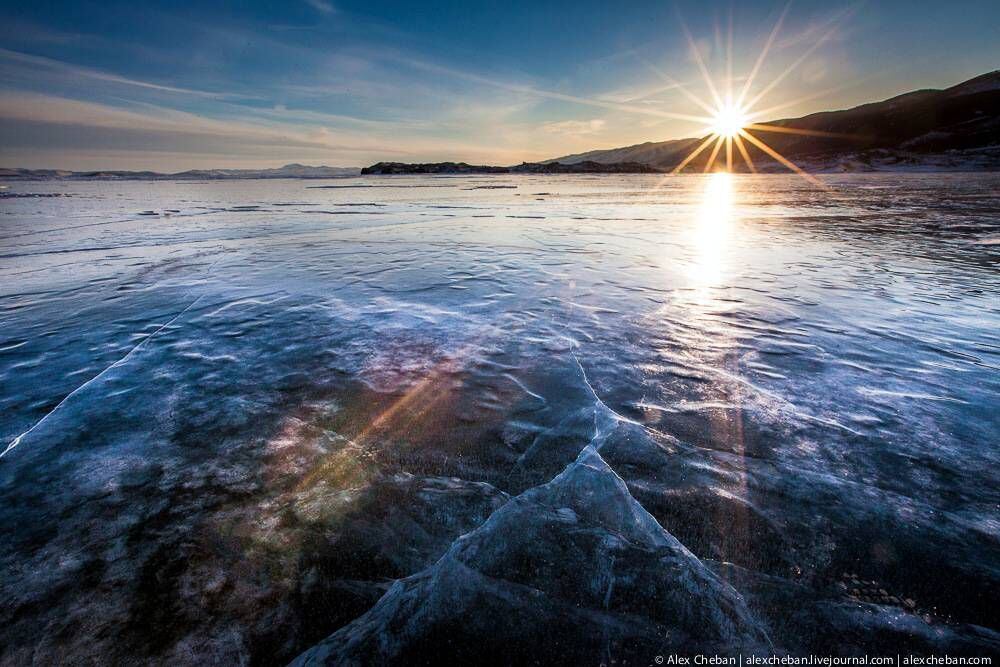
(390, 168)
(954, 128)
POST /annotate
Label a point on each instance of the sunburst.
(730, 121)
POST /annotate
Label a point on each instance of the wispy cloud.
(322, 6)
(575, 127)
(99, 75)
(49, 126)
(147, 119)
(549, 94)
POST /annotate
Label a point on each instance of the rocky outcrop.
(392, 168)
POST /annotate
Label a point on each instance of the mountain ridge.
(954, 127)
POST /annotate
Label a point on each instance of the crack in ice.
(16, 441)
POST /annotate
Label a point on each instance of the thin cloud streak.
(90, 73)
(529, 90)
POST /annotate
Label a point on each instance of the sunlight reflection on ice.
(711, 232)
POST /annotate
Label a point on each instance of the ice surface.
(758, 413)
(573, 570)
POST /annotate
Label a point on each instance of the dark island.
(585, 167)
(388, 168)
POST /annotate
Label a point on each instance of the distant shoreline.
(296, 171)
(875, 162)
(84, 177)
(909, 169)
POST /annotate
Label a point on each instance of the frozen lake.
(233, 413)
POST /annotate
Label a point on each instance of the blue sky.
(169, 86)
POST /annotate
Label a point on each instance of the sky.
(171, 86)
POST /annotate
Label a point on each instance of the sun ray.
(693, 154)
(811, 96)
(743, 151)
(674, 84)
(553, 95)
(791, 68)
(719, 46)
(715, 153)
(699, 61)
(645, 95)
(729, 60)
(729, 153)
(782, 159)
(763, 127)
(763, 54)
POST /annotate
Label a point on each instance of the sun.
(732, 120)
(729, 121)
